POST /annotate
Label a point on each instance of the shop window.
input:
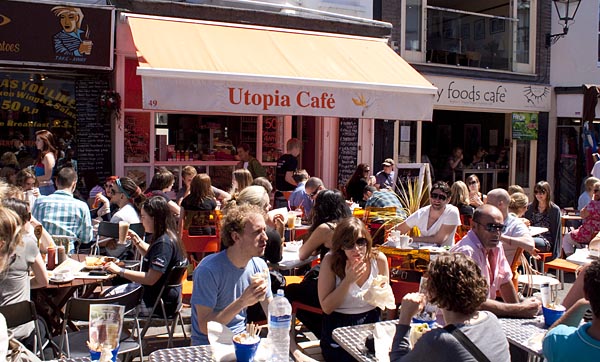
(137, 137)
(272, 138)
(473, 34)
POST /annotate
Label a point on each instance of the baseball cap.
(388, 162)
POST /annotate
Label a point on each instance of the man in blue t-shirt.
(567, 340)
(228, 282)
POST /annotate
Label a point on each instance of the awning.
(189, 65)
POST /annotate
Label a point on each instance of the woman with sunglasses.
(476, 198)
(125, 194)
(589, 227)
(347, 270)
(437, 221)
(544, 213)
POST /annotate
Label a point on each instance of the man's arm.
(289, 178)
(511, 307)
(438, 238)
(573, 316)
(254, 293)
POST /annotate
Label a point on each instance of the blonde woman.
(10, 237)
(241, 179)
(349, 268)
(460, 198)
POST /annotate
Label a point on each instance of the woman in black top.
(355, 186)
(543, 212)
(163, 252)
(201, 197)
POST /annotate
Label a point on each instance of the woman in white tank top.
(348, 268)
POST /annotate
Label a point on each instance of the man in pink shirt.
(482, 243)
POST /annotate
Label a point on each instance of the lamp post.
(566, 10)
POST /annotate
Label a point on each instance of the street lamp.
(566, 10)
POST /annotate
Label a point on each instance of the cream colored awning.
(190, 65)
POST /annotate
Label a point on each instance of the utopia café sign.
(60, 35)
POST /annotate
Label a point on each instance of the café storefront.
(54, 64)
(193, 90)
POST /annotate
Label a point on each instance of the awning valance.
(189, 65)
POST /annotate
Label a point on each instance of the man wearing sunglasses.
(438, 221)
(482, 243)
(516, 234)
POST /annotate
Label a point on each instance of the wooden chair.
(561, 265)
(199, 231)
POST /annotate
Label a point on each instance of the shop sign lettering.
(303, 99)
(472, 94)
(26, 97)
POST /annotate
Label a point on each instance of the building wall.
(575, 57)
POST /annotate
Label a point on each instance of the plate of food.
(98, 262)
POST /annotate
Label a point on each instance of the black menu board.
(93, 128)
(347, 149)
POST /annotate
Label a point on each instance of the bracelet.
(122, 273)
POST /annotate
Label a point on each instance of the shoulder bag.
(466, 342)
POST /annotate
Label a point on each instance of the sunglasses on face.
(596, 190)
(438, 196)
(538, 192)
(360, 242)
(472, 183)
(492, 227)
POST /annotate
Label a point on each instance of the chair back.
(79, 308)
(18, 313)
(199, 231)
(175, 276)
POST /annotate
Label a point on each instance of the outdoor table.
(536, 230)
(296, 232)
(352, 339)
(522, 332)
(185, 354)
(581, 257)
(56, 295)
(291, 260)
(565, 218)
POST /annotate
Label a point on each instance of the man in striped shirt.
(62, 214)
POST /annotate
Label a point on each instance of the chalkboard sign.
(347, 149)
(417, 173)
(93, 129)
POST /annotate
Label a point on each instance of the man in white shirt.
(438, 221)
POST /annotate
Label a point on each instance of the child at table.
(346, 270)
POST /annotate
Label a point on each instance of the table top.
(526, 334)
(581, 257)
(570, 217)
(183, 354)
(536, 230)
(291, 260)
(352, 339)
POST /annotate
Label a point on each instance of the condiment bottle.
(61, 254)
(51, 257)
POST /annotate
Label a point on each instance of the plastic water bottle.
(280, 322)
(545, 292)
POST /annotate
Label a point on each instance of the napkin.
(220, 338)
(379, 294)
(384, 336)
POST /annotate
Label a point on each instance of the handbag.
(18, 353)
(466, 342)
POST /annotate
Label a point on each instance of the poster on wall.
(525, 126)
(61, 35)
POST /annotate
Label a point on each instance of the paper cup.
(245, 352)
(123, 229)
(95, 355)
(551, 315)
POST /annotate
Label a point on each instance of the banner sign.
(525, 126)
(56, 35)
(461, 93)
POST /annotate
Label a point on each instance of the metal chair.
(78, 309)
(174, 279)
(19, 313)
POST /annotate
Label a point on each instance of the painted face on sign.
(69, 21)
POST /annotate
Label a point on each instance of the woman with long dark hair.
(544, 213)
(201, 197)
(162, 182)
(355, 186)
(46, 159)
(329, 208)
(347, 270)
(164, 251)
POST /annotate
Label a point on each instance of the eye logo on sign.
(4, 20)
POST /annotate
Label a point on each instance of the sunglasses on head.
(492, 227)
(438, 196)
(360, 242)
